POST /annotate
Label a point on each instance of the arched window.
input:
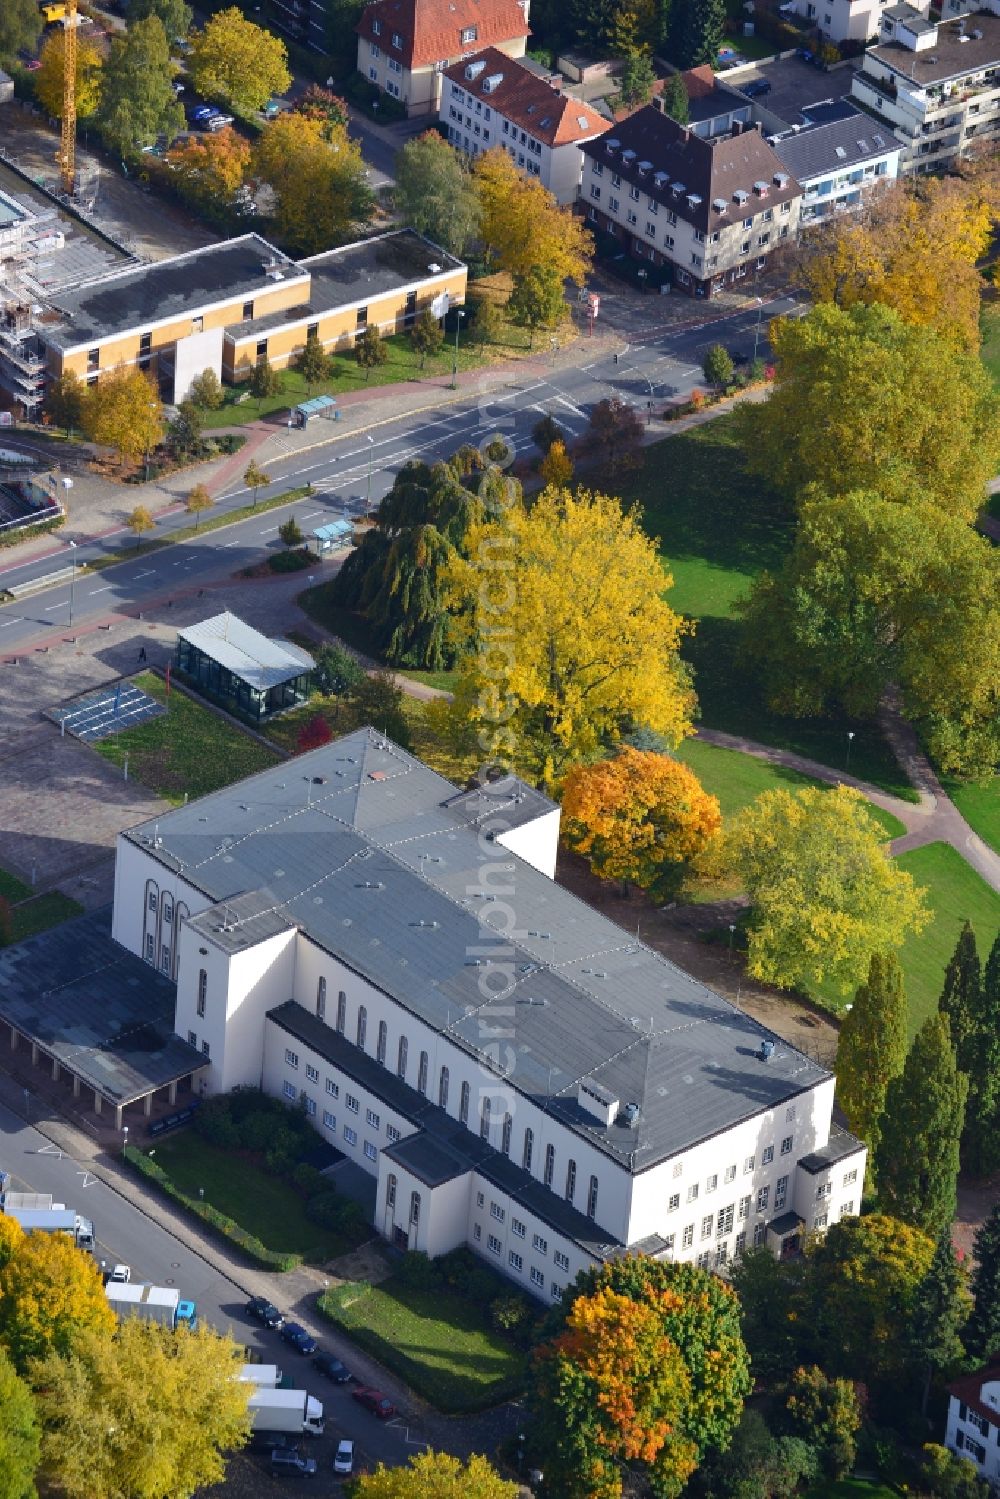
(463, 1107)
(168, 908)
(592, 1198)
(529, 1145)
(362, 1025)
(401, 1059)
(550, 1164)
(508, 1125)
(321, 999)
(422, 1073)
(390, 1192)
(181, 914)
(484, 1120)
(341, 1012)
(149, 921)
(443, 1089)
(414, 1207)
(383, 1039)
(202, 990)
(570, 1180)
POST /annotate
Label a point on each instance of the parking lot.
(795, 84)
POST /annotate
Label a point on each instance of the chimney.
(737, 127)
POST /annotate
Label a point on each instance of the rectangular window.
(786, 1145)
(712, 1183)
(468, 35)
(595, 192)
(730, 1173)
(613, 205)
(372, 1118)
(329, 1120)
(311, 1108)
(361, 319)
(290, 1090)
(480, 1199)
(291, 1059)
(556, 1292)
(825, 1189)
(477, 1232)
(748, 1165)
(741, 1241)
(332, 1088)
(693, 1193)
(312, 1073)
(674, 1202)
(847, 1211)
(371, 1151)
(850, 1177)
(687, 1238)
(724, 1222)
(768, 1155)
(352, 1103)
(762, 1199)
(759, 1234)
(145, 343)
(542, 1245)
(706, 1226)
(515, 1261)
(744, 1209)
(537, 1278)
(517, 1228)
(206, 1050)
(704, 1259)
(261, 350)
(94, 359)
(820, 1220)
(497, 1212)
(350, 1135)
(494, 1245)
(678, 1169)
(780, 1193)
(562, 1260)
(392, 1134)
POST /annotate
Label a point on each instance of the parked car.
(121, 1275)
(295, 1334)
(287, 1460)
(375, 1401)
(201, 114)
(271, 1441)
(332, 1368)
(756, 88)
(264, 1311)
(344, 1460)
(218, 121)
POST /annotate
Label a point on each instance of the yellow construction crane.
(67, 149)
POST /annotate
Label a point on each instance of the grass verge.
(188, 750)
(979, 804)
(955, 893)
(31, 913)
(852, 1488)
(268, 1209)
(187, 533)
(438, 1342)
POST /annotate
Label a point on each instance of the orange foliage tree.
(211, 168)
(646, 1366)
(640, 816)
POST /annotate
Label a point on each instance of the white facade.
(973, 1428)
(846, 20)
(462, 1151)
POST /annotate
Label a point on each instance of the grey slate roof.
(839, 145)
(252, 657)
(356, 844)
(99, 1010)
(186, 284)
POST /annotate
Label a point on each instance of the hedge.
(223, 1225)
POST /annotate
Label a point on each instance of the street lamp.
(756, 336)
(72, 583)
(459, 315)
(371, 454)
(850, 736)
(125, 1142)
(732, 934)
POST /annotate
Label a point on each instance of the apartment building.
(518, 1073)
(404, 46)
(845, 20)
(936, 85)
(973, 1426)
(713, 209)
(840, 164)
(492, 100)
(231, 305)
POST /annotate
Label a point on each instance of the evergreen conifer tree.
(696, 32)
(921, 1128)
(872, 1050)
(982, 1334)
(981, 1138)
(940, 1311)
(961, 996)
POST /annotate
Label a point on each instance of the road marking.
(147, 574)
(106, 589)
(9, 623)
(562, 401)
(270, 530)
(313, 513)
(232, 543)
(178, 563)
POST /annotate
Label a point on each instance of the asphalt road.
(125, 1234)
(655, 366)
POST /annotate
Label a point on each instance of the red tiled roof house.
(405, 45)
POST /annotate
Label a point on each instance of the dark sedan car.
(298, 1337)
(332, 1368)
(376, 1402)
(264, 1311)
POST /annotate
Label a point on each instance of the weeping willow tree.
(396, 578)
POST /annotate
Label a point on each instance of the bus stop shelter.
(334, 536)
(321, 406)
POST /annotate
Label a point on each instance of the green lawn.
(955, 893)
(736, 779)
(979, 804)
(402, 365)
(717, 529)
(439, 1342)
(267, 1206)
(355, 632)
(189, 749)
(32, 913)
(852, 1488)
(989, 323)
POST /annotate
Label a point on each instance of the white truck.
(37, 1212)
(265, 1376)
(286, 1411)
(160, 1304)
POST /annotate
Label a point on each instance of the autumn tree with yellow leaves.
(237, 63)
(436, 1475)
(48, 79)
(572, 643)
(211, 168)
(824, 893)
(123, 411)
(50, 1293)
(524, 229)
(147, 1413)
(645, 1365)
(640, 817)
(318, 178)
(914, 249)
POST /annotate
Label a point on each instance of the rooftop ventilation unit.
(661, 178)
(631, 1115)
(597, 1100)
(720, 205)
(781, 179)
(739, 196)
(611, 146)
(760, 188)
